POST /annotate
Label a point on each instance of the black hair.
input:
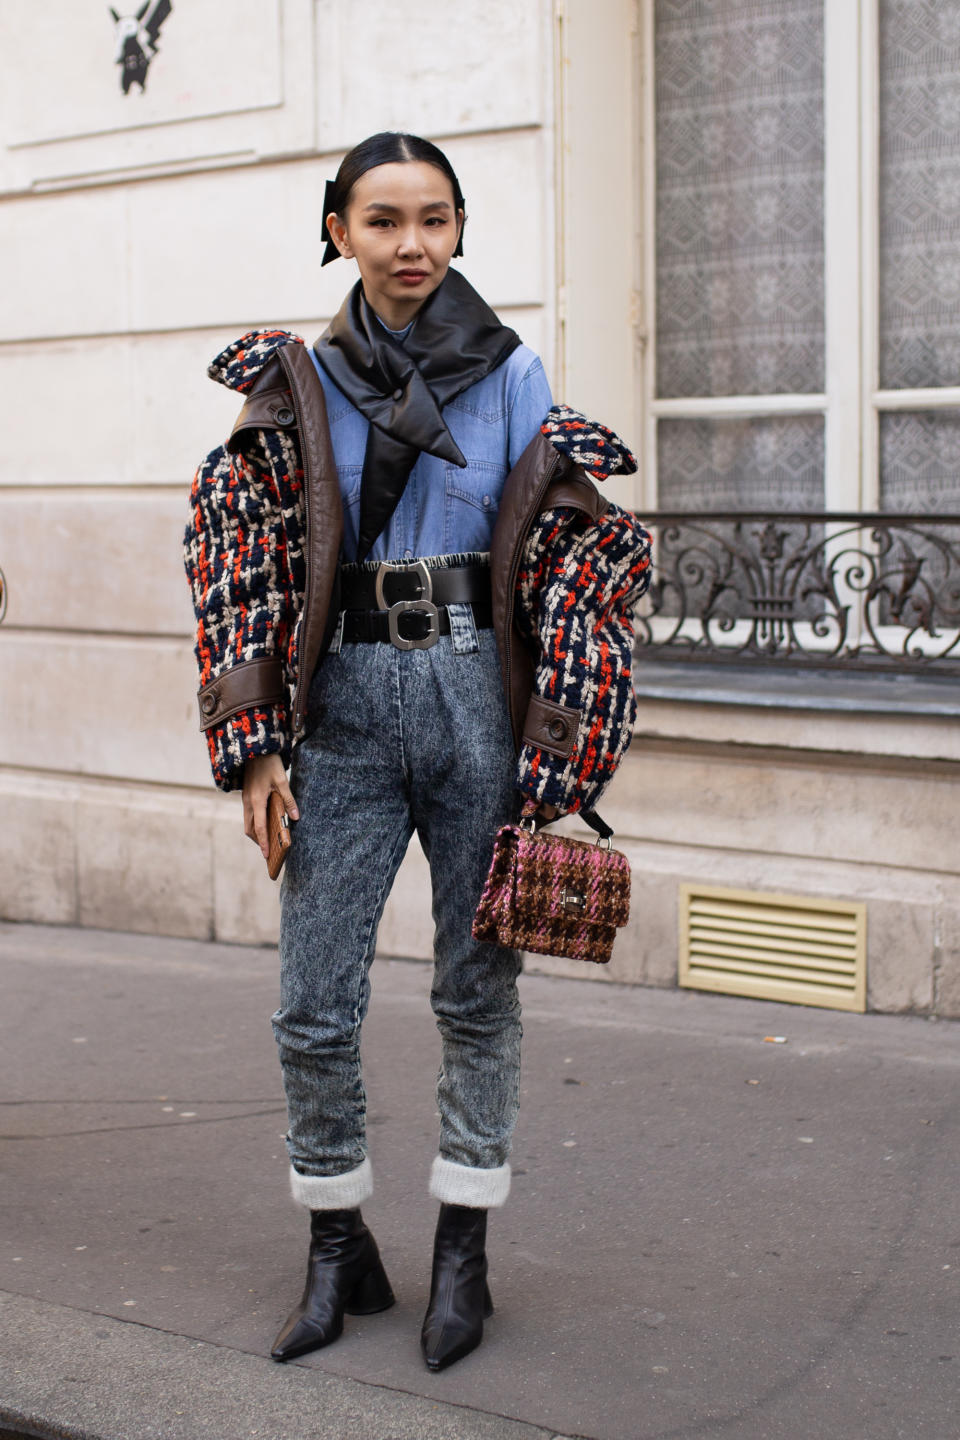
(388, 147)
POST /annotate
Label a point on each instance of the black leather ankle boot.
(459, 1295)
(344, 1274)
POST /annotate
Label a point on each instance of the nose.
(410, 244)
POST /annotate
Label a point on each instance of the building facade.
(730, 228)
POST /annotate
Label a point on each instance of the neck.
(395, 314)
(394, 320)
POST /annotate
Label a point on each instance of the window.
(802, 267)
(918, 320)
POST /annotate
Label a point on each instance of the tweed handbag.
(552, 894)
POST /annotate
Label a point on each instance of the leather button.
(397, 395)
(557, 729)
(284, 415)
(210, 702)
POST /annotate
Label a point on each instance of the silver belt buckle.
(423, 605)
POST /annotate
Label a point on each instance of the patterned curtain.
(764, 463)
(739, 244)
(919, 247)
(919, 462)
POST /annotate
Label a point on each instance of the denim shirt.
(445, 509)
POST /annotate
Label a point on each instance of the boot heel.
(487, 1302)
(371, 1294)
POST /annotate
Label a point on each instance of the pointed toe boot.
(459, 1294)
(345, 1275)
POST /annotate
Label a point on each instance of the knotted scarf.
(456, 340)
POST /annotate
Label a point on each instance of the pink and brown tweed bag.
(553, 895)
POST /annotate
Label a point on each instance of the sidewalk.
(708, 1235)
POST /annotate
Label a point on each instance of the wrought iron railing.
(862, 591)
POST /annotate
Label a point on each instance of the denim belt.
(412, 621)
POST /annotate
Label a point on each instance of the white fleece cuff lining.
(454, 1184)
(333, 1192)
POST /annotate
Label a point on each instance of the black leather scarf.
(455, 341)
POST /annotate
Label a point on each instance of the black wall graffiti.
(137, 41)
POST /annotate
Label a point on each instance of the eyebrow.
(395, 209)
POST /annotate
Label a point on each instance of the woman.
(340, 548)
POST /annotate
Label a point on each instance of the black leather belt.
(381, 588)
(407, 604)
(414, 626)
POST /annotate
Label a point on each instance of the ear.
(143, 10)
(116, 17)
(338, 234)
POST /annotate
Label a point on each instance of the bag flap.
(559, 878)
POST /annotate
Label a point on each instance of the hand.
(261, 775)
(542, 815)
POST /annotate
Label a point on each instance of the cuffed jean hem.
(333, 1192)
(454, 1184)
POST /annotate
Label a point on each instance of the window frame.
(852, 402)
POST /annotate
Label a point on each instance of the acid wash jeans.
(398, 741)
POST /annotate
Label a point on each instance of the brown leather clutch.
(278, 833)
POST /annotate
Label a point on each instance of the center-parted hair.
(388, 147)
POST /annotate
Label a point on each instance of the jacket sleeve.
(577, 586)
(237, 562)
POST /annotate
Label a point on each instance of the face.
(401, 228)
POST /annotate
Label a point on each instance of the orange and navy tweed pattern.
(589, 444)
(553, 895)
(244, 557)
(577, 587)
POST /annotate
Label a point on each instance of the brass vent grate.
(773, 947)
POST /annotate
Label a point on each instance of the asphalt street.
(709, 1235)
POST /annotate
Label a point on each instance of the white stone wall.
(139, 234)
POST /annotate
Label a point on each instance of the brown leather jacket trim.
(550, 726)
(324, 516)
(575, 489)
(252, 682)
(519, 504)
(269, 405)
(541, 478)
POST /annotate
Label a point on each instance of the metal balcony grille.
(825, 589)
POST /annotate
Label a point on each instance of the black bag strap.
(590, 817)
(598, 824)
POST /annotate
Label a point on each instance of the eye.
(437, 220)
(381, 222)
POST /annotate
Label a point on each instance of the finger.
(260, 829)
(248, 811)
(286, 795)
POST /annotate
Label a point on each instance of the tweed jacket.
(262, 550)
